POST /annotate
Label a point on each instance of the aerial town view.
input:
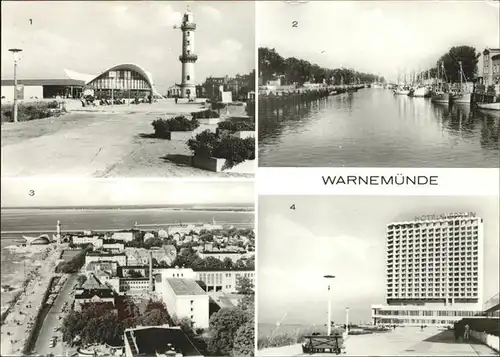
(361, 277)
(403, 84)
(145, 279)
(151, 89)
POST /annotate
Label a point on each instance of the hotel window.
(188, 42)
(188, 33)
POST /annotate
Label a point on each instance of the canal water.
(374, 128)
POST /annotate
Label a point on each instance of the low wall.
(491, 341)
(217, 165)
(30, 341)
(180, 135)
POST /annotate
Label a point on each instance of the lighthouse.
(58, 232)
(188, 57)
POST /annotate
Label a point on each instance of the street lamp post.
(329, 324)
(15, 54)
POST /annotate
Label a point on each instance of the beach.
(23, 311)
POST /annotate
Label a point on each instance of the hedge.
(30, 111)
(205, 114)
(238, 126)
(163, 127)
(234, 150)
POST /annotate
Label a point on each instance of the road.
(406, 341)
(51, 321)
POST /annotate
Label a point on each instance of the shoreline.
(18, 323)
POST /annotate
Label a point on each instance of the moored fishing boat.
(463, 95)
(489, 106)
(402, 90)
(440, 97)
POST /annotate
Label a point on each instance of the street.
(42, 345)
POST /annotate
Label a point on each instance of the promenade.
(100, 142)
(404, 341)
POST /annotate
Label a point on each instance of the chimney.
(150, 271)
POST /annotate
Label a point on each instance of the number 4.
(292, 207)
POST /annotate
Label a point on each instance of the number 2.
(295, 24)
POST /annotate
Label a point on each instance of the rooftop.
(43, 82)
(185, 287)
(159, 339)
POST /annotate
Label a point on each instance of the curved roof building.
(40, 240)
(127, 77)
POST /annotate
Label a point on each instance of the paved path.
(401, 342)
(51, 321)
(97, 144)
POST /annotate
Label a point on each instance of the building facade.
(185, 298)
(489, 68)
(224, 280)
(433, 270)
(119, 258)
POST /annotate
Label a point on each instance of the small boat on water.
(489, 106)
(440, 92)
(422, 91)
(403, 90)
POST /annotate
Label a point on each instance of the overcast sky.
(55, 193)
(344, 236)
(91, 36)
(376, 36)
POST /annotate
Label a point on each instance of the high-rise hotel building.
(434, 270)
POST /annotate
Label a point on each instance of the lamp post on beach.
(329, 324)
(15, 54)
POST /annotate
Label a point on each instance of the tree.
(223, 327)
(465, 54)
(135, 274)
(244, 341)
(228, 263)
(270, 63)
(81, 279)
(244, 286)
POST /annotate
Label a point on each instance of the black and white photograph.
(378, 275)
(378, 83)
(128, 89)
(100, 268)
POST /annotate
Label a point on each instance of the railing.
(492, 302)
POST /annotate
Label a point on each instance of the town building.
(489, 67)
(141, 256)
(183, 273)
(93, 291)
(224, 280)
(83, 239)
(185, 298)
(109, 267)
(222, 254)
(119, 258)
(158, 341)
(124, 236)
(434, 270)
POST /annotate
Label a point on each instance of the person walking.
(466, 332)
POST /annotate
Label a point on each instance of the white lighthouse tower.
(188, 57)
(58, 232)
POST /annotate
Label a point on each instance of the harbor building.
(93, 291)
(185, 298)
(158, 341)
(222, 254)
(224, 280)
(434, 270)
(188, 57)
(489, 67)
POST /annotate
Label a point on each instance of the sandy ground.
(19, 322)
(99, 142)
(400, 342)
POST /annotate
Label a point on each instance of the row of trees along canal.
(295, 73)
